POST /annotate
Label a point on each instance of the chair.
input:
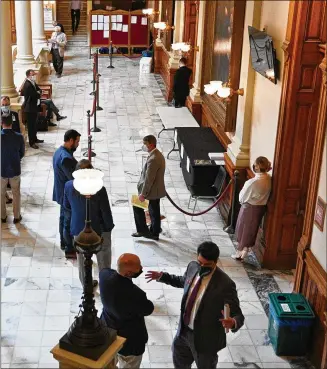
(206, 192)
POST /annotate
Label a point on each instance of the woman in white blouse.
(253, 198)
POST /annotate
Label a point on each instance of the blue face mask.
(5, 111)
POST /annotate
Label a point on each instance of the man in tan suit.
(151, 186)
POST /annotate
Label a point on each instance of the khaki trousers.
(131, 361)
(15, 188)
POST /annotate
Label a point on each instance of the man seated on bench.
(6, 111)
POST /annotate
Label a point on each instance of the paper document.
(188, 164)
(119, 27)
(139, 204)
(133, 19)
(144, 21)
(94, 26)
(106, 19)
(182, 151)
(113, 26)
(100, 26)
(220, 162)
(216, 155)
(100, 18)
(105, 34)
(106, 26)
(114, 18)
(125, 27)
(94, 18)
(120, 18)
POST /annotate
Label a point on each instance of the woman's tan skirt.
(248, 222)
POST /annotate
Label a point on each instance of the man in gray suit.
(207, 289)
(151, 186)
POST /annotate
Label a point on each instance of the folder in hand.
(139, 204)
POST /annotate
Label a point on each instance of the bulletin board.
(124, 28)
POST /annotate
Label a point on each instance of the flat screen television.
(263, 54)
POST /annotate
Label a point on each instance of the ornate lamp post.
(88, 336)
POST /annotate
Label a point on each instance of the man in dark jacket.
(5, 111)
(124, 307)
(207, 289)
(64, 165)
(101, 220)
(181, 83)
(32, 98)
(12, 152)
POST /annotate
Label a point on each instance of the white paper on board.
(144, 21)
(100, 26)
(125, 27)
(106, 26)
(94, 26)
(100, 18)
(120, 18)
(133, 19)
(94, 18)
(114, 18)
(113, 26)
(105, 34)
(106, 19)
(182, 151)
(119, 27)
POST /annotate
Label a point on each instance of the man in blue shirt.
(64, 165)
(12, 151)
(101, 220)
(5, 110)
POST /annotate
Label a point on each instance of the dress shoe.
(71, 255)
(39, 141)
(51, 124)
(58, 75)
(95, 283)
(17, 220)
(34, 146)
(138, 234)
(61, 117)
(4, 220)
(8, 201)
(152, 236)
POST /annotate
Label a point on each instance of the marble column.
(239, 149)
(7, 74)
(24, 32)
(38, 22)
(195, 93)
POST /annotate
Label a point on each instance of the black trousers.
(184, 353)
(51, 108)
(31, 127)
(179, 101)
(154, 212)
(57, 60)
(76, 16)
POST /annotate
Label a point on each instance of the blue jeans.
(64, 230)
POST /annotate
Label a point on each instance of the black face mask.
(135, 275)
(205, 270)
(253, 167)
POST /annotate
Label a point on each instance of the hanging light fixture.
(88, 336)
(223, 90)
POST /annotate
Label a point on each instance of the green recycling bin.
(290, 323)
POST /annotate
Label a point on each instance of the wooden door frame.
(302, 81)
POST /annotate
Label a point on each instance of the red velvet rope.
(204, 211)
(128, 56)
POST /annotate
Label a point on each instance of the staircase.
(63, 17)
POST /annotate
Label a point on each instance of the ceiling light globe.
(216, 85)
(224, 92)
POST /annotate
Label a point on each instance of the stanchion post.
(231, 228)
(89, 153)
(98, 107)
(110, 56)
(94, 74)
(95, 128)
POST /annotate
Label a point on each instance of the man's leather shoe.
(17, 220)
(151, 236)
(39, 141)
(61, 117)
(95, 283)
(71, 255)
(8, 201)
(4, 220)
(138, 234)
(51, 124)
(34, 146)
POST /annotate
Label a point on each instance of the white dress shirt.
(256, 190)
(204, 284)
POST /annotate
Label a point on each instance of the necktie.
(191, 301)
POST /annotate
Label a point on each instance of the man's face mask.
(135, 275)
(5, 109)
(205, 270)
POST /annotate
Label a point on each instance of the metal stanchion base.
(111, 67)
(95, 129)
(230, 229)
(92, 93)
(99, 108)
(93, 154)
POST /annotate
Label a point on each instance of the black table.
(197, 143)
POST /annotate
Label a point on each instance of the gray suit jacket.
(209, 334)
(151, 183)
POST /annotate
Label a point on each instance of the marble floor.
(40, 288)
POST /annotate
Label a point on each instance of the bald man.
(124, 307)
